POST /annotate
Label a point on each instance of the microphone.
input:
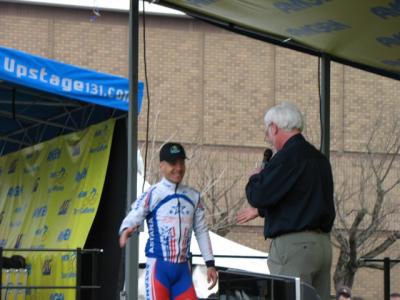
(267, 156)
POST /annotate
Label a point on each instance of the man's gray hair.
(286, 116)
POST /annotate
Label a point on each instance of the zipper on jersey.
(179, 216)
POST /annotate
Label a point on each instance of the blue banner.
(65, 80)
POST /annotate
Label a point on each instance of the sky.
(118, 5)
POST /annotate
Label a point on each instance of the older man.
(294, 192)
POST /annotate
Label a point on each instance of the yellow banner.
(49, 195)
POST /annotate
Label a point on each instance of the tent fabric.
(42, 98)
(70, 81)
(363, 34)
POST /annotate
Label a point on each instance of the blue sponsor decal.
(393, 63)
(68, 275)
(32, 155)
(318, 28)
(19, 209)
(99, 148)
(15, 224)
(3, 243)
(80, 175)
(40, 212)
(290, 6)
(54, 154)
(46, 267)
(64, 235)
(31, 169)
(18, 242)
(55, 188)
(76, 150)
(15, 191)
(35, 185)
(392, 10)
(64, 207)
(101, 132)
(58, 174)
(13, 166)
(57, 296)
(84, 210)
(41, 231)
(389, 41)
(82, 194)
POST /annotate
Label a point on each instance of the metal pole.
(78, 273)
(325, 103)
(95, 261)
(386, 278)
(1, 270)
(132, 246)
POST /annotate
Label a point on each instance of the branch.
(390, 240)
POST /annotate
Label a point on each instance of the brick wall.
(210, 87)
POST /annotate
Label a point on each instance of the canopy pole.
(132, 246)
(325, 99)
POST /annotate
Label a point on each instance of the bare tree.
(218, 187)
(364, 204)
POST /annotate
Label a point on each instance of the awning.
(42, 98)
(360, 33)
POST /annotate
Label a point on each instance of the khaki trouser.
(307, 255)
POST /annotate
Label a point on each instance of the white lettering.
(22, 71)
(66, 84)
(9, 64)
(43, 74)
(33, 74)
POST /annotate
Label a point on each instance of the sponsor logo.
(42, 232)
(13, 166)
(58, 173)
(80, 175)
(64, 235)
(40, 212)
(55, 188)
(18, 242)
(32, 155)
(54, 154)
(46, 267)
(31, 169)
(392, 10)
(76, 150)
(99, 148)
(64, 207)
(57, 296)
(15, 191)
(15, 224)
(35, 185)
(84, 210)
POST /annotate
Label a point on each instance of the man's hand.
(246, 215)
(212, 276)
(126, 234)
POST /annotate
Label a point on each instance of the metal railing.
(386, 273)
(78, 282)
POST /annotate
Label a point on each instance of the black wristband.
(210, 263)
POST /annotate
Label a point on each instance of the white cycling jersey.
(172, 212)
